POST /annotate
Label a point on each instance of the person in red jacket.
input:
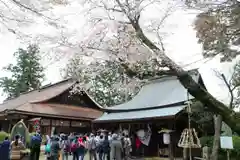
(138, 143)
(138, 146)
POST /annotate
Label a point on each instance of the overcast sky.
(181, 45)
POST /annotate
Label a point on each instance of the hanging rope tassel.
(189, 138)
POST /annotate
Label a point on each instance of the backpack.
(48, 148)
(100, 146)
(35, 141)
(81, 145)
(74, 146)
(106, 146)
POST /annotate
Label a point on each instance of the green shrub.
(235, 153)
(206, 141)
(3, 135)
(236, 145)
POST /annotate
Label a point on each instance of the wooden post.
(185, 153)
(228, 155)
(120, 128)
(206, 153)
(50, 127)
(170, 145)
(28, 126)
(9, 126)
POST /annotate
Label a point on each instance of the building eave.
(48, 115)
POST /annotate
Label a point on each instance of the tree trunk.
(230, 117)
(216, 141)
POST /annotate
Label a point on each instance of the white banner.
(144, 136)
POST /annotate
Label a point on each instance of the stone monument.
(20, 129)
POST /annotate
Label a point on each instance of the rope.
(189, 126)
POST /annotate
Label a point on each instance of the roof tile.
(60, 110)
(37, 95)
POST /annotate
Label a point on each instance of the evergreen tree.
(26, 75)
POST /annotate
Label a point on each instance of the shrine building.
(55, 106)
(159, 105)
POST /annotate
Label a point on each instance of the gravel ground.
(69, 158)
(85, 158)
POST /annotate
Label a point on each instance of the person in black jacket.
(106, 148)
(55, 148)
(35, 146)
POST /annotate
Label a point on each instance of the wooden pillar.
(50, 130)
(170, 146)
(120, 127)
(185, 153)
(9, 126)
(92, 127)
(28, 126)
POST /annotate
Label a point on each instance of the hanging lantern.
(166, 135)
(166, 138)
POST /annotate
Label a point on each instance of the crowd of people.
(101, 146)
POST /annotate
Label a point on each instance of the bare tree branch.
(229, 86)
(230, 89)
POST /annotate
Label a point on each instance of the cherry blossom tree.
(129, 14)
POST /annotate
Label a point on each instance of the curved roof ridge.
(38, 95)
(157, 79)
(158, 92)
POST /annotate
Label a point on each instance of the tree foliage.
(218, 30)
(235, 85)
(108, 87)
(129, 12)
(203, 117)
(108, 83)
(26, 74)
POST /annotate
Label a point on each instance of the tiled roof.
(36, 103)
(140, 115)
(162, 97)
(161, 92)
(40, 95)
(58, 110)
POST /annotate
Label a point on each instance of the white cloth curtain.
(144, 136)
